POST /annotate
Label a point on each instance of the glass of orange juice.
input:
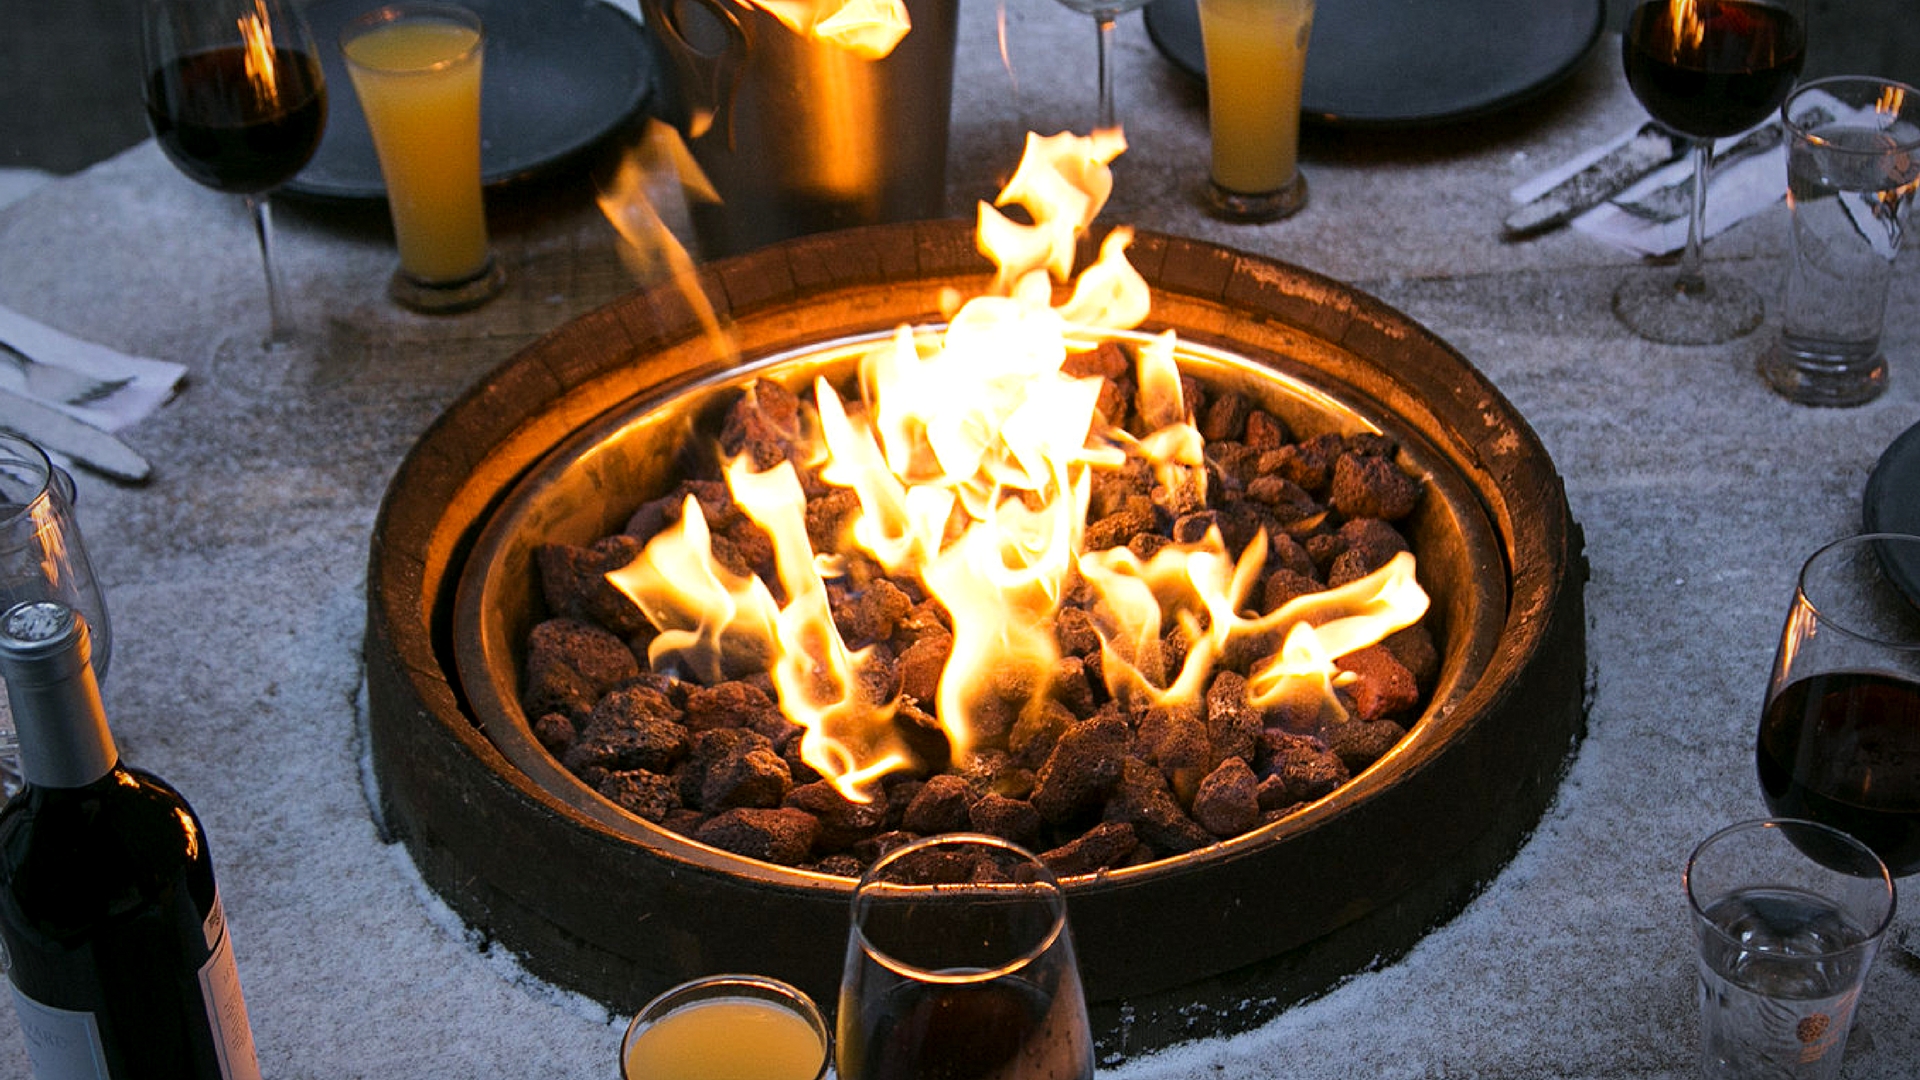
(1256, 57)
(416, 70)
(727, 1027)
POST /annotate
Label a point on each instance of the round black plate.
(560, 76)
(1404, 63)
(1892, 501)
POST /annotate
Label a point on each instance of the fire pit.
(560, 443)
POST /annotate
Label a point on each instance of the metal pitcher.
(799, 135)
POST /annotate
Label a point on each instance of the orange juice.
(727, 1038)
(418, 79)
(1256, 54)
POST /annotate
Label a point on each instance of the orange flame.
(1689, 32)
(971, 455)
(866, 28)
(256, 34)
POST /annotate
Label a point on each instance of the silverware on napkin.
(1675, 200)
(50, 382)
(54, 430)
(69, 394)
(1650, 148)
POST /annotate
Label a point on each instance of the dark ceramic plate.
(1892, 501)
(560, 76)
(1407, 63)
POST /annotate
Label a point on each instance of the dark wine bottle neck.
(46, 658)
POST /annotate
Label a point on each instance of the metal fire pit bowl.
(562, 442)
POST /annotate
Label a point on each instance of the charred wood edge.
(439, 777)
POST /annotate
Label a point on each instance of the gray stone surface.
(236, 578)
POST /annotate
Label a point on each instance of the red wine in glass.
(230, 140)
(1717, 71)
(1706, 69)
(1839, 737)
(1843, 748)
(236, 99)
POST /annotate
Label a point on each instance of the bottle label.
(62, 1044)
(226, 1008)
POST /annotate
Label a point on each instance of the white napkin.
(1734, 194)
(89, 382)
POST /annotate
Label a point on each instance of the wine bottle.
(116, 944)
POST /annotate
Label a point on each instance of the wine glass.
(42, 558)
(1105, 14)
(236, 99)
(1705, 69)
(1838, 741)
(960, 967)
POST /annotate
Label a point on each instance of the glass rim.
(53, 479)
(732, 984)
(1044, 885)
(1802, 596)
(1827, 83)
(1885, 877)
(425, 10)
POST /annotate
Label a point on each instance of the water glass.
(960, 967)
(727, 1027)
(42, 558)
(1788, 915)
(1853, 165)
(416, 70)
(1256, 56)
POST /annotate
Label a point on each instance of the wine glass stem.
(1103, 52)
(1691, 280)
(280, 323)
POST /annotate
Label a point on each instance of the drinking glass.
(960, 967)
(1788, 916)
(1838, 742)
(236, 99)
(416, 70)
(1256, 55)
(1106, 14)
(1853, 169)
(727, 1027)
(1705, 69)
(42, 558)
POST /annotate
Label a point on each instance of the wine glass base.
(1243, 208)
(448, 297)
(256, 370)
(1666, 309)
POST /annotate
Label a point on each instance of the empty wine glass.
(42, 558)
(960, 967)
(1106, 13)
(236, 99)
(1705, 69)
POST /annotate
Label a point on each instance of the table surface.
(236, 577)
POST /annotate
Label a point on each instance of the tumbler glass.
(1256, 56)
(1789, 915)
(727, 1027)
(1853, 165)
(416, 69)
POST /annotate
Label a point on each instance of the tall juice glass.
(416, 69)
(1256, 55)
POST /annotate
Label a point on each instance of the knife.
(1648, 149)
(1675, 201)
(85, 444)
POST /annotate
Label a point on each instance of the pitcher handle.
(706, 78)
